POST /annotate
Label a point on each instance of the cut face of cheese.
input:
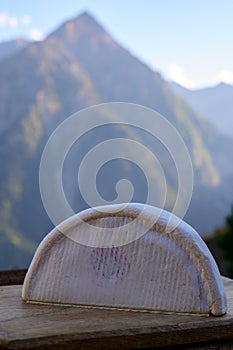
(160, 270)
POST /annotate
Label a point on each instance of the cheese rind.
(162, 270)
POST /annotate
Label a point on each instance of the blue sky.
(187, 41)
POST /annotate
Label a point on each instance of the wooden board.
(30, 326)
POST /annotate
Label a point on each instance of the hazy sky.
(190, 41)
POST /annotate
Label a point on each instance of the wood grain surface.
(31, 326)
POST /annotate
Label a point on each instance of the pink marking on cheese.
(110, 264)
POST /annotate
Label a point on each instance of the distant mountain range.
(9, 48)
(214, 103)
(79, 65)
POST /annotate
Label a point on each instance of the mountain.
(76, 66)
(213, 103)
(9, 48)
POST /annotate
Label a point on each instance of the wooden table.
(30, 326)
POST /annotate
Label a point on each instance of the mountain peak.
(86, 15)
(83, 23)
(224, 85)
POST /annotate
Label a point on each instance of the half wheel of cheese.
(153, 269)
